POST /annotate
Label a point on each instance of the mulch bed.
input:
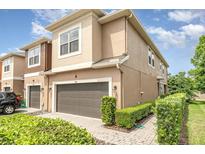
(184, 132)
(126, 130)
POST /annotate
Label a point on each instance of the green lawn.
(196, 122)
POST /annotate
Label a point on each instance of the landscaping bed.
(125, 119)
(138, 125)
(22, 129)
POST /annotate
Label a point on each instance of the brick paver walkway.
(144, 135)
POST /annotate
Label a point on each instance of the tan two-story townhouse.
(96, 54)
(13, 72)
(37, 60)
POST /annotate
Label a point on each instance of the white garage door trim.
(28, 93)
(107, 79)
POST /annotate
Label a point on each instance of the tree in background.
(198, 73)
(179, 83)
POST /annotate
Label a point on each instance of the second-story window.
(7, 64)
(160, 67)
(69, 42)
(163, 69)
(151, 58)
(34, 57)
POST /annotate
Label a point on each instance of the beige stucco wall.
(135, 82)
(86, 43)
(138, 51)
(113, 38)
(96, 39)
(114, 73)
(139, 79)
(37, 80)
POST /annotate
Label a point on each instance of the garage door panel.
(68, 108)
(34, 97)
(81, 99)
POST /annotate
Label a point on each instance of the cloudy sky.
(175, 32)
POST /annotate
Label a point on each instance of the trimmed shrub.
(108, 108)
(127, 117)
(169, 112)
(22, 129)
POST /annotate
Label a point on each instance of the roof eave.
(114, 15)
(11, 55)
(73, 16)
(35, 43)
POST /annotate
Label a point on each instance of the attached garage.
(81, 98)
(34, 97)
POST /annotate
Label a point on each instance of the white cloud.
(46, 16)
(193, 31)
(3, 54)
(168, 38)
(179, 37)
(50, 15)
(109, 11)
(38, 30)
(185, 15)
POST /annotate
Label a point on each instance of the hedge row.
(169, 111)
(22, 129)
(127, 117)
(108, 108)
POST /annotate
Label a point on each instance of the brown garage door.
(81, 99)
(34, 97)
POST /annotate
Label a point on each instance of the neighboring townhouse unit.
(13, 72)
(37, 60)
(96, 54)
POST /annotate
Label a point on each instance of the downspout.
(121, 89)
(126, 21)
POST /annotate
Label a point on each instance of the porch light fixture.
(115, 88)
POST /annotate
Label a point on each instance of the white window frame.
(39, 62)
(153, 59)
(163, 70)
(9, 64)
(8, 85)
(79, 42)
(151, 54)
(160, 67)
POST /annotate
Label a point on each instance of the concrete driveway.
(144, 135)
